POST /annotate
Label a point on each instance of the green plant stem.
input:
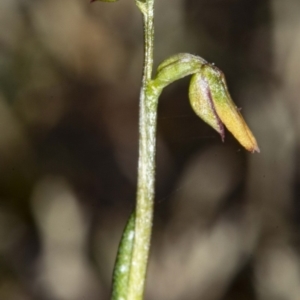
(146, 163)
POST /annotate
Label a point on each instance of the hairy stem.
(146, 163)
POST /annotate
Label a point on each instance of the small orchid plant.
(211, 101)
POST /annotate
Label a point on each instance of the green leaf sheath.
(123, 262)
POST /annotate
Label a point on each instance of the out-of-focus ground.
(226, 221)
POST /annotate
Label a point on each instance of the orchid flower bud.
(211, 101)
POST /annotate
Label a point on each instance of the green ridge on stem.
(146, 163)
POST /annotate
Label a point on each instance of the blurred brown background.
(226, 221)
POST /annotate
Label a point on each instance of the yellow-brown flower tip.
(256, 150)
(227, 110)
(211, 101)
